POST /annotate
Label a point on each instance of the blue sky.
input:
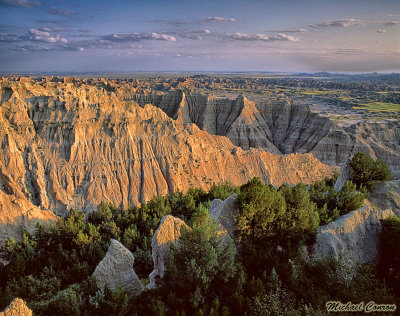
(168, 35)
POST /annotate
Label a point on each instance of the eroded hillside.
(69, 145)
(281, 127)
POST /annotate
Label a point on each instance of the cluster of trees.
(264, 272)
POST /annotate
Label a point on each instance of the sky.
(185, 35)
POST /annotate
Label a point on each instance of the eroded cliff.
(75, 145)
(281, 127)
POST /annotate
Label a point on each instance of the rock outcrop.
(116, 270)
(354, 235)
(168, 232)
(343, 176)
(282, 127)
(65, 145)
(16, 308)
(224, 213)
(387, 196)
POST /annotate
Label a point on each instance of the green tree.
(201, 268)
(367, 173)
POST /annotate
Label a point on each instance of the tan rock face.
(354, 235)
(16, 308)
(281, 127)
(75, 145)
(168, 232)
(116, 270)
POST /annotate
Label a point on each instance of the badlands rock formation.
(69, 145)
(16, 308)
(387, 196)
(116, 270)
(281, 127)
(224, 213)
(354, 235)
(168, 232)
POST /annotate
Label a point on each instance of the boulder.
(224, 213)
(354, 236)
(16, 308)
(116, 270)
(168, 232)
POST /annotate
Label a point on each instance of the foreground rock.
(224, 213)
(16, 308)
(354, 235)
(167, 233)
(116, 270)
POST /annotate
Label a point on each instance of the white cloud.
(20, 3)
(338, 23)
(135, 37)
(289, 37)
(381, 31)
(43, 35)
(391, 23)
(261, 37)
(218, 19)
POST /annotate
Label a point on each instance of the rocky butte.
(76, 144)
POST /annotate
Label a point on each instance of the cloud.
(381, 31)
(348, 51)
(55, 22)
(390, 23)
(194, 35)
(288, 31)
(289, 38)
(60, 12)
(30, 48)
(43, 35)
(20, 3)
(218, 19)
(261, 37)
(136, 37)
(338, 23)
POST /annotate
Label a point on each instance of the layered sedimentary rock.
(387, 196)
(281, 127)
(16, 308)
(75, 145)
(224, 213)
(167, 233)
(354, 236)
(116, 270)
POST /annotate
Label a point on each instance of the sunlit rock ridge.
(281, 127)
(69, 145)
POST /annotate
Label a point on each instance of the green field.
(379, 107)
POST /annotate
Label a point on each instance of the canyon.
(73, 145)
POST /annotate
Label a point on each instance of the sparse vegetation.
(367, 173)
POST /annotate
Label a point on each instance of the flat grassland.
(378, 107)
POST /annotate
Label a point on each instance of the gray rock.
(168, 232)
(116, 270)
(16, 308)
(387, 196)
(354, 236)
(224, 213)
(343, 176)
